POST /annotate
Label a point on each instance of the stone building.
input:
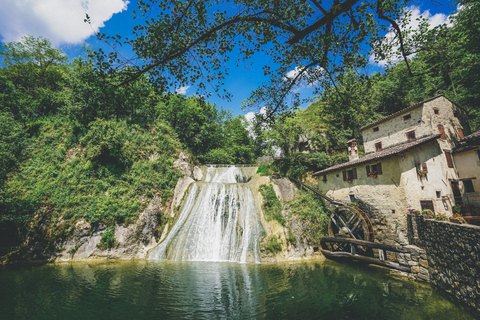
(408, 163)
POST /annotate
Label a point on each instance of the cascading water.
(218, 222)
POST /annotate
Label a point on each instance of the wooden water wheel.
(350, 222)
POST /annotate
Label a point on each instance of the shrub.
(311, 210)
(217, 156)
(271, 205)
(108, 238)
(427, 212)
(265, 169)
(273, 245)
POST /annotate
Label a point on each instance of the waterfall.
(218, 222)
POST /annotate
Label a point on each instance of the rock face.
(131, 242)
(285, 191)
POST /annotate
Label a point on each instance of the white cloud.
(251, 115)
(433, 20)
(307, 79)
(182, 90)
(60, 21)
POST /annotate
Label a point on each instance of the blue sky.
(62, 22)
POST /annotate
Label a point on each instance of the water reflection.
(204, 290)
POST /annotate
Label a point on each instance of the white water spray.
(218, 222)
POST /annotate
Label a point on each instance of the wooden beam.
(369, 260)
(365, 244)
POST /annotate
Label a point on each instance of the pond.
(212, 290)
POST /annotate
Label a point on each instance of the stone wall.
(453, 252)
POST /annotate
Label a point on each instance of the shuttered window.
(379, 168)
(441, 130)
(448, 156)
(468, 185)
(424, 167)
(460, 132)
(344, 175)
(374, 168)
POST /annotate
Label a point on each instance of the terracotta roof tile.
(474, 135)
(381, 154)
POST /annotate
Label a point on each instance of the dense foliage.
(212, 135)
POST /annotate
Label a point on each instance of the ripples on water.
(208, 290)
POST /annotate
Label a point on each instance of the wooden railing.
(335, 202)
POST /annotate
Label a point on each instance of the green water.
(204, 290)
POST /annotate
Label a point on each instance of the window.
(439, 194)
(468, 185)
(422, 169)
(352, 198)
(435, 110)
(455, 114)
(407, 116)
(325, 178)
(349, 175)
(448, 156)
(411, 135)
(374, 170)
(441, 130)
(375, 129)
(460, 132)
(378, 146)
(427, 204)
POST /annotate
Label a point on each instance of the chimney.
(352, 150)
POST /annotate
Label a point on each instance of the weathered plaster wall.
(468, 166)
(423, 120)
(453, 253)
(392, 132)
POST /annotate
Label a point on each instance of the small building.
(408, 164)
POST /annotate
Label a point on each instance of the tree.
(33, 77)
(91, 94)
(189, 42)
(197, 123)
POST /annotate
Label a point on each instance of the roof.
(381, 154)
(463, 148)
(474, 135)
(468, 143)
(393, 115)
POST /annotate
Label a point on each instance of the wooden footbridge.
(351, 236)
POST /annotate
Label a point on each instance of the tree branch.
(331, 15)
(399, 34)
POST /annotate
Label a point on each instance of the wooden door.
(457, 196)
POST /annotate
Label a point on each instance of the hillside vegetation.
(75, 145)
